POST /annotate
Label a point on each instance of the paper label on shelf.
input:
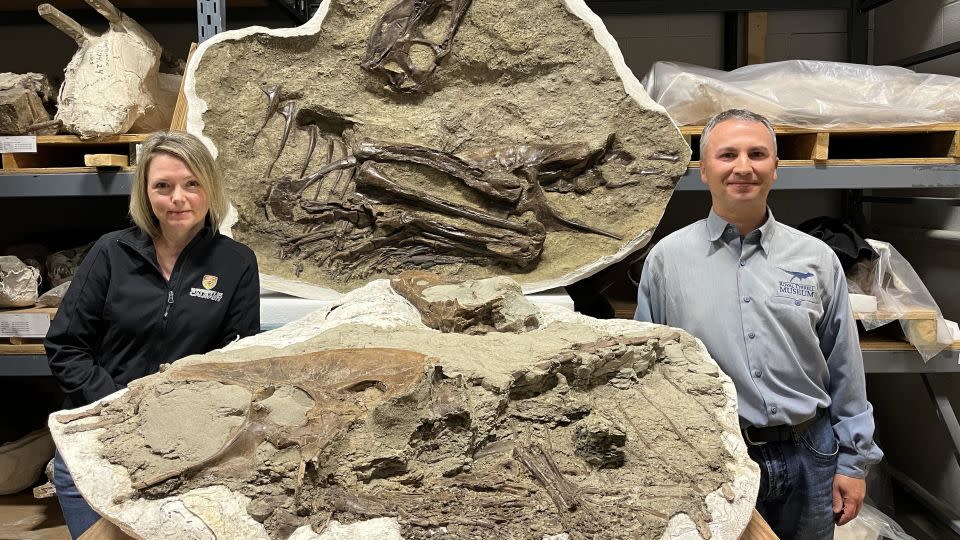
(18, 144)
(24, 324)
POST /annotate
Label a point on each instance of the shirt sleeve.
(243, 315)
(851, 413)
(77, 329)
(650, 295)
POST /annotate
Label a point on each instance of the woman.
(168, 287)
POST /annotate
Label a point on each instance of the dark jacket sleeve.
(243, 315)
(75, 332)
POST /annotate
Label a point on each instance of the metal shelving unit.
(804, 177)
(92, 184)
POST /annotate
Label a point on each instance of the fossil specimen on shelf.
(448, 135)
(113, 82)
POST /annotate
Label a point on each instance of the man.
(771, 305)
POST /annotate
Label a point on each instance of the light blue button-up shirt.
(773, 311)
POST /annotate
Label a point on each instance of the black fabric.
(120, 318)
(845, 242)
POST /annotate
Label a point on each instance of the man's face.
(739, 165)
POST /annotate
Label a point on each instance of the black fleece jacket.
(120, 318)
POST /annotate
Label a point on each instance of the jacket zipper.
(169, 303)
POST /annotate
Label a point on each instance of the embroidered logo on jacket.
(209, 282)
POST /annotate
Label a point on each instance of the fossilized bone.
(113, 82)
(399, 29)
(288, 112)
(337, 382)
(273, 101)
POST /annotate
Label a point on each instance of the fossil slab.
(359, 421)
(449, 135)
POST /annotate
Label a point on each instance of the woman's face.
(177, 200)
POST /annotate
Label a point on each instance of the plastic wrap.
(807, 93)
(871, 524)
(900, 295)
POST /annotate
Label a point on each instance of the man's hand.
(848, 496)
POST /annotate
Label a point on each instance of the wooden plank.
(758, 529)
(31, 5)
(62, 170)
(73, 139)
(756, 39)
(885, 315)
(104, 530)
(52, 311)
(926, 128)
(821, 147)
(106, 160)
(32, 348)
(179, 121)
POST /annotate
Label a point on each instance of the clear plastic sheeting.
(901, 295)
(807, 93)
(871, 524)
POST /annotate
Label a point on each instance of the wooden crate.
(914, 145)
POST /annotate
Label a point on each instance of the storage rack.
(817, 176)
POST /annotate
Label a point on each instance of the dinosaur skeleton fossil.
(369, 222)
(390, 47)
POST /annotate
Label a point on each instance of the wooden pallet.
(915, 145)
(70, 154)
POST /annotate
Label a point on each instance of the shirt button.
(743, 263)
(773, 410)
(746, 299)
(756, 373)
(796, 302)
(751, 335)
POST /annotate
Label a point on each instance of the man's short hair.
(736, 114)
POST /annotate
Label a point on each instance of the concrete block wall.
(807, 35)
(689, 38)
(904, 28)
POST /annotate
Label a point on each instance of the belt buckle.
(746, 437)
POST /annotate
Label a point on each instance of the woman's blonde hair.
(194, 154)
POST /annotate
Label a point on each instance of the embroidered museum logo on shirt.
(208, 282)
(796, 287)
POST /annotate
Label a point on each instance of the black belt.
(755, 436)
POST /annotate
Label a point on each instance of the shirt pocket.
(796, 311)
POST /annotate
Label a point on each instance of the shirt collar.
(716, 225)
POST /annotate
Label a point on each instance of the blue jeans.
(76, 512)
(796, 482)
